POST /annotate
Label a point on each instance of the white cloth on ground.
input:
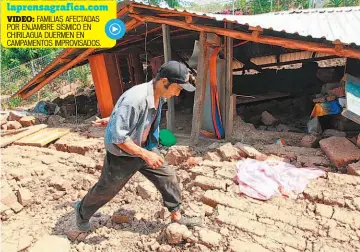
(264, 179)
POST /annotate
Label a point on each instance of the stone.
(24, 196)
(15, 115)
(164, 213)
(224, 231)
(4, 126)
(282, 128)
(27, 121)
(310, 141)
(154, 246)
(340, 151)
(251, 152)
(332, 132)
(209, 238)
(178, 154)
(212, 156)
(228, 152)
(16, 207)
(19, 173)
(55, 121)
(3, 208)
(324, 210)
(208, 210)
(192, 161)
(165, 248)
(147, 190)
(24, 242)
(268, 119)
(354, 169)
(51, 243)
(124, 215)
(13, 125)
(207, 183)
(242, 246)
(338, 92)
(60, 183)
(176, 233)
(358, 141)
(8, 197)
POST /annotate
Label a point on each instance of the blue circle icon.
(115, 29)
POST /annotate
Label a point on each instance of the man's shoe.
(190, 221)
(82, 225)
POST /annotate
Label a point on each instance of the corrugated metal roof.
(341, 23)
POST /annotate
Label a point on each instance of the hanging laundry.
(264, 179)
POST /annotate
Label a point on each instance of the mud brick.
(354, 169)
(235, 218)
(207, 183)
(340, 151)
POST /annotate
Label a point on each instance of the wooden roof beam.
(283, 42)
(26, 94)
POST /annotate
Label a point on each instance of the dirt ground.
(326, 217)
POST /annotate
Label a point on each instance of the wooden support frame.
(133, 23)
(170, 116)
(107, 78)
(283, 42)
(202, 72)
(229, 98)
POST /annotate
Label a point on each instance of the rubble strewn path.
(40, 185)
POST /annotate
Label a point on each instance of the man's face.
(173, 89)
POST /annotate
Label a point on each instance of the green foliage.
(82, 74)
(170, 3)
(341, 3)
(12, 57)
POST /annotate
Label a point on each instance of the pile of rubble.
(40, 185)
(15, 120)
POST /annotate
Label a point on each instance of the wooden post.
(229, 103)
(202, 72)
(137, 67)
(107, 81)
(170, 116)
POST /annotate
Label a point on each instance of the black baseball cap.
(178, 73)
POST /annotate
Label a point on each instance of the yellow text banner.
(57, 24)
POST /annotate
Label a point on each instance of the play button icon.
(115, 29)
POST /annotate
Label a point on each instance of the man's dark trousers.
(116, 172)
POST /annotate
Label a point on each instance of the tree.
(341, 3)
(170, 3)
(12, 57)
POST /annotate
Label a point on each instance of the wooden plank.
(283, 42)
(4, 141)
(202, 70)
(42, 137)
(351, 115)
(262, 97)
(229, 99)
(170, 115)
(230, 119)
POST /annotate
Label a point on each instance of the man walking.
(131, 138)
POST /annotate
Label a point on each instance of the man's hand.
(153, 159)
(100, 122)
